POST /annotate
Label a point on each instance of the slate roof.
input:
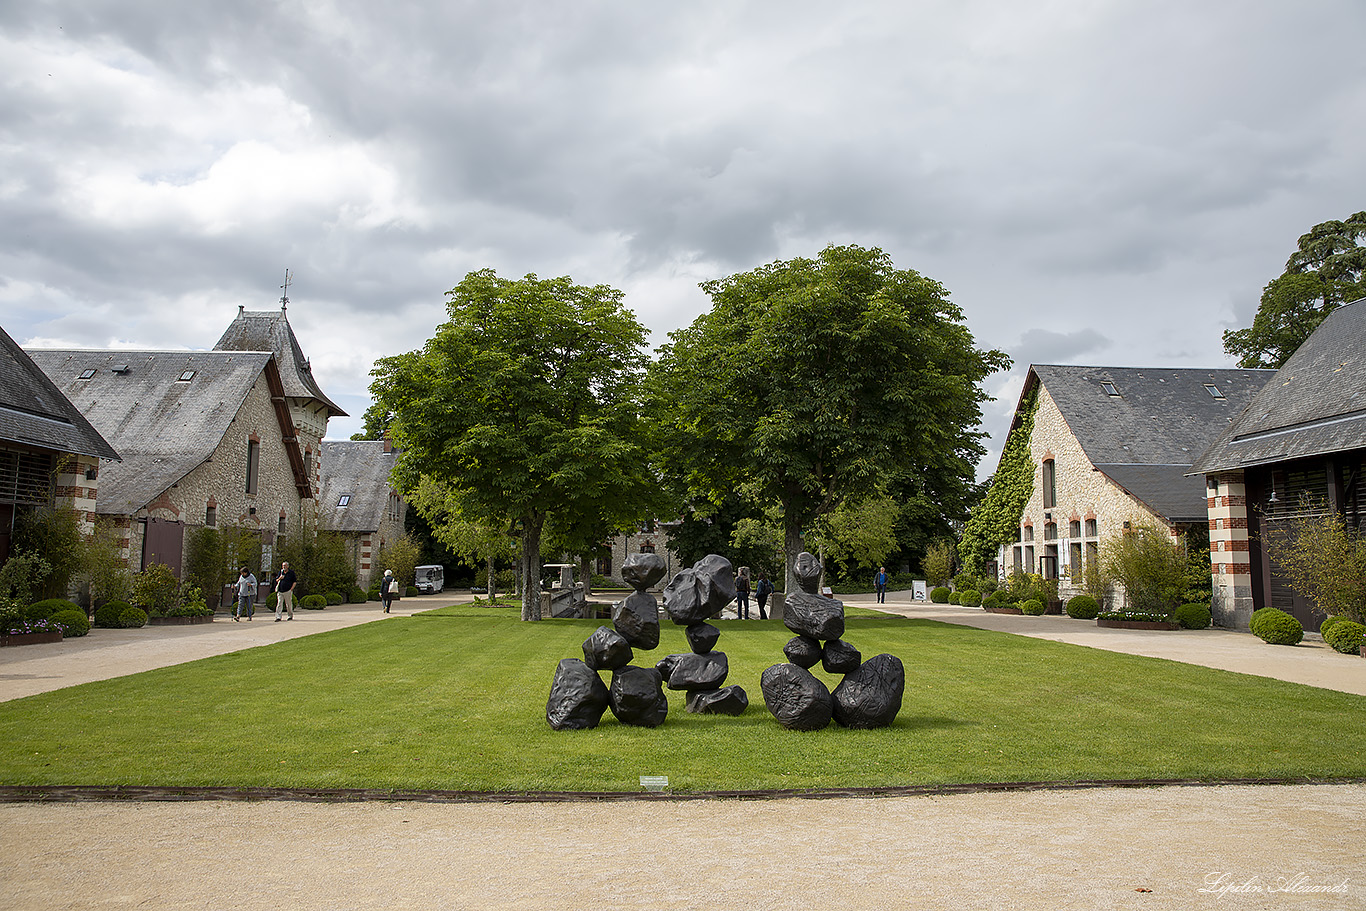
(269, 330)
(163, 428)
(33, 411)
(1314, 405)
(1146, 437)
(358, 469)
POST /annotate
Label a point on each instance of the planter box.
(1137, 624)
(1053, 607)
(31, 638)
(1003, 610)
(178, 621)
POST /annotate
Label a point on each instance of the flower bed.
(1003, 610)
(42, 638)
(179, 621)
(1113, 623)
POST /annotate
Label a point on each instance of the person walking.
(246, 595)
(386, 589)
(742, 594)
(284, 591)
(762, 589)
(880, 583)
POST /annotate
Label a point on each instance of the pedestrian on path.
(284, 591)
(880, 583)
(246, 595)
(386, 589)
(742, 594)
(762, 589)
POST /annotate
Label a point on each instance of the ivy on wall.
(996, 520)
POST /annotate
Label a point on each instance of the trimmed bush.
(1327, 624)
(1193, 616)
(108, 616)
(955, 597)
(358, 595)
(133, 618)
(43, 610)
(940, 595)
(1082, 607)
(272, 599)
(1279, 628)
(1259, 617)
(970, 598)
(1346, 637)
(410, 592)
(313, 602)
(334, 598)
(1033, 607)
(998, 598)
(73, 623)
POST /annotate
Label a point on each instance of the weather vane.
(284, 298)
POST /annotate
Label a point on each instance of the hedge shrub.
(43, 610)
(410, 592)
(1082, 607)
(358, 595)
(940, 595)
(334, 598)
(1259, 617)
(998, 598)
(1278, 628)
(1328, 623)
(970, 598)
(133, 618)
(1193, 616)
(107, 617)
(72, 622)
(1346, 636)
(272, 599)
(1034, 607)
(313, 602)
(955, 597)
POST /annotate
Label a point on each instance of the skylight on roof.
(1109, 388)
(86, 374)
(1214, 390)
(185, 377)
(345, 500)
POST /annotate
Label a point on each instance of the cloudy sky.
(1095, 182)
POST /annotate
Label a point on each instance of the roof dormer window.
(1214, 390)
(87, 374)
(120, 368)
(1109, 389)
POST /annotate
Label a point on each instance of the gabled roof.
(269, 330)
(34, 412)
(1145, 436)
(163, 426)
(358, 469)
(1314, 405)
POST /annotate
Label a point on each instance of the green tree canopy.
(1327, 269)
(811, 382)
(525, 402)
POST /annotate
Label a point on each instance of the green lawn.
(455, 699)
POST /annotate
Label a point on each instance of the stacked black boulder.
(689, 599)
(869, 696)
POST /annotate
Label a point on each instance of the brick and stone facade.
(1229, 546)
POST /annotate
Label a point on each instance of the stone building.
(1297, 450)
(1112, 445)
(358, 502)
(205, 438)
(50, 454)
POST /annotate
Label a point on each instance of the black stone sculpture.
(606, 650)
(807, 613)
(870, 697)
(692, 671)
(637, 615)
(641, 571)
(578, 697)
(796, 698)
(700, 591)
(839, 657)
(802, 651)
(702, 637)
(731, 700)
(637, 696)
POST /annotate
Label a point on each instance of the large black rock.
(729, 701)
(578, 697)
(636, 617)
(807, 614)
(637, 696)
(702, 637)
(692, 671)
(839, 657)
(870, 697)
(606, 650)
(796, 698)
(700, 591)
(802, 651)
(640, 571)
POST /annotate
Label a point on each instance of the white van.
(430, 579)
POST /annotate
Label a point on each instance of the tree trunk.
(531, 566)
(792, 546)
(493, 579)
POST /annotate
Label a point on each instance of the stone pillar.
(76, 486)
(1230, 560)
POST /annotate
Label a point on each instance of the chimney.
(388, 443)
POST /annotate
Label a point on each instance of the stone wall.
(1230, 558)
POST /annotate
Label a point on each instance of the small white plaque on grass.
(654, 782)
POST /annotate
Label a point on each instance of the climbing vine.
(996, 520)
